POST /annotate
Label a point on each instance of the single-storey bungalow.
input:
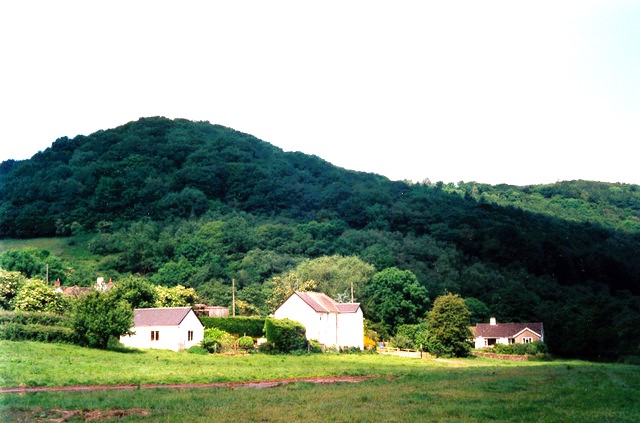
(173, 328)
(331, 323)
(488, 334)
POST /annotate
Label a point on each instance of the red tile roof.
(506, 330)
(160, 316)
(322, 303)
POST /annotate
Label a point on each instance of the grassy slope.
(72, 249)
(470, 390)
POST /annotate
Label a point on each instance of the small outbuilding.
(331, 323)
(173, 328)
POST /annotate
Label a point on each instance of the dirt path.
(248, 384)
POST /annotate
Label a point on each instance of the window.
(526, 340)
(190, 335)
(155, 335)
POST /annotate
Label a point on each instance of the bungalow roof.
(506, 330)
(170, 316)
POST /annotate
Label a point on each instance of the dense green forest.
(196, 204)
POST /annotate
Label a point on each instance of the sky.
(494, 92)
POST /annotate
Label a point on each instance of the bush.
(369, 344)
(401, 341)
(245, 342)
(411, 336)
(34, 332)
(197, 350)
(239, 326)
(285, 335)
(315, 346)
(217, 341)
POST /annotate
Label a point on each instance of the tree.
(175, 273)
(136, 291)
(395, 297)
(177, 296)
(337, 275)
(478, 310)
(449, 332)
(280, 287)
(99, 317)
(35, 295)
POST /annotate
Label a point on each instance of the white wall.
(170, 337)
(330, 329)
(351, 329)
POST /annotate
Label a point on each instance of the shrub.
(239, 326)
(401, 341)
(35, 295)
(411, 336)
(197, 350)
(216, 340)
(245, 342)
(369, 344)
(315, 346)
(285, 335)
(350, 350)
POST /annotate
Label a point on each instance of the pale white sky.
(487, 91)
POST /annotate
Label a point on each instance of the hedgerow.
(238, 326)
(532, 348)
(36, 318)
(33, 332)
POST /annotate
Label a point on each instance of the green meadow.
(457, 390)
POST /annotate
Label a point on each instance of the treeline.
(197, 204)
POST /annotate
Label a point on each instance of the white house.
(489, 334)
(331, 323)
(174, 328)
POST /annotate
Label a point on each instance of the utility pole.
(352, 291)
(47, 274)
(233, 297)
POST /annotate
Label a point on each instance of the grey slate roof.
(322, 303)
(171, 316)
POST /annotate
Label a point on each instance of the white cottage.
(174, 328)
(327, 321)
(492, 333)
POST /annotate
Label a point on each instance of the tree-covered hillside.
(197, 204)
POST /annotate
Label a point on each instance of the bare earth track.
(249, 384)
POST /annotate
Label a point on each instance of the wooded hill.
(198, 204)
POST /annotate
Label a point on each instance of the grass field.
(73, 249)
(468, 390)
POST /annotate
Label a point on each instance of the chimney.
(57, 282)
(492, 321)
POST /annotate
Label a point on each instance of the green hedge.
(33, 318)
(33, 332)
(531, 348)
(284, 335)
(239, 326)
